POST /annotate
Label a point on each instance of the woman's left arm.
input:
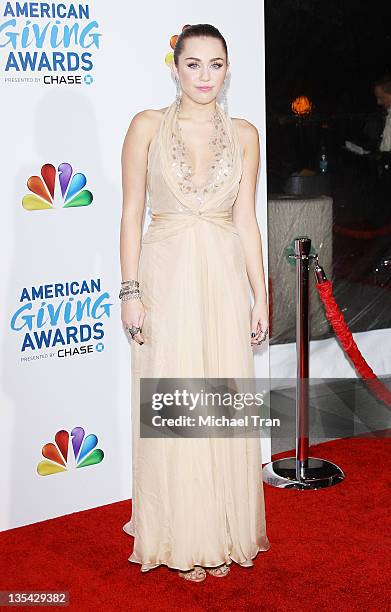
(244, 217)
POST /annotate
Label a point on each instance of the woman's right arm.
(134, 171)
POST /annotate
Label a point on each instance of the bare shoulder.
(247, 132)
(147, 122)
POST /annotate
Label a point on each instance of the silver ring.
(134, 330)
(264, 334)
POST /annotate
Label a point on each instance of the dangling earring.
(223, 97)
(178, 96)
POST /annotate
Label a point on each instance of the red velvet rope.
(363, 234)
(334, 315)
(270, 306)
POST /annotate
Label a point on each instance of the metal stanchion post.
(302, 251)
(302, 471)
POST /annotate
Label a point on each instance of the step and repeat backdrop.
(72, 76)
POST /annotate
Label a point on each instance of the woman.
(197, 503)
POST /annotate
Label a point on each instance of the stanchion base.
(318, 474)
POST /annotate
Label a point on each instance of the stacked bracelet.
(130, 295)
(130, 290)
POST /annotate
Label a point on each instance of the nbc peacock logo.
(69, 451)
(42, 187)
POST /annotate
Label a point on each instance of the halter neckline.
(233, 153)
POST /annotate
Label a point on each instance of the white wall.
(84, 125)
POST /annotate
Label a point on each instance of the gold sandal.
(197, 574)
(220, 571)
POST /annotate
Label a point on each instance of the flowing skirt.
(195, 501)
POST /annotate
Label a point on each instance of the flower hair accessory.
(169, 58)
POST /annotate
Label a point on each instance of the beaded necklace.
(218, 168)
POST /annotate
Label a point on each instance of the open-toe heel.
(197, 574)
(220, 571)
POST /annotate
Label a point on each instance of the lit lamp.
(301, 106)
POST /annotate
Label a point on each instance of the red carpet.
(330, 550)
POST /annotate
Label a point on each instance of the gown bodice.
(169, 174)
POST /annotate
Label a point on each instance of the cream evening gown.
(195, 501)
